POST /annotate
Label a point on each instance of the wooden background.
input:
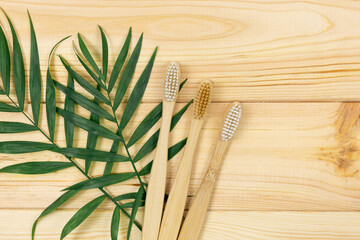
(291, 172)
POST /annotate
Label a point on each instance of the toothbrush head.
(231, 122)
(202, 99)
(172, 82)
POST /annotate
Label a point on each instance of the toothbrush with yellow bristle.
(156, 187)
(175, 205)
(195, 217)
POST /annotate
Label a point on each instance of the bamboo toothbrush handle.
(195, 217)
(156, 189)
(174, 208)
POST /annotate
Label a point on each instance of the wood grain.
(221, 225)
(252, 50)
(296, 66)
(308, 160)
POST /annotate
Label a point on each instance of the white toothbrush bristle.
(231, 122)
(172, 81)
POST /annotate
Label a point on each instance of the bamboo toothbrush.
(175, 205)
(156, 189)
(196, 215)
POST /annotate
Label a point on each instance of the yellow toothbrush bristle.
(202, 99)
(172, 81)
(231, 122)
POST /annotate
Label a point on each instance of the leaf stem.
(77, 166)
(123, 141)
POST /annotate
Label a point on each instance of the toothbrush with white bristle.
(156, 187)
(195, 217)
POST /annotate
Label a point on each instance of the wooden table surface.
(292, 170)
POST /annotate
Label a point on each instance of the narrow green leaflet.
(148, 147)
(105, 54)
(50, 104)
(16, 127)
(34, 77)
(8, 108)
(92, 154)
(135, 208)
(109, 165)
(102, 181)
(127, 74)
(173, 150)
(81, 215)
(131, 204)
(176, 118)
(15, 147)
(84, 102)
(36, 167)
(126, 196)
(51, 95)
(52, 207)
(18, 66)
(4, 61)
(92, 138)
(115, 221)
(151, 143)
(149, 121)
(85, 51)
(137, 93)
(89, 71)
(87, 125)
(84, 83)
(119, 62)
(70, 107)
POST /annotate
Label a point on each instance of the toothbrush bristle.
(172, 81)
(231, 122)
(202, 99)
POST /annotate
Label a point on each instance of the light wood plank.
(220, 225)
(253, 51)
(285, 156)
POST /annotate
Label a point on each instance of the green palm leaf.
(85, 84)
(36, 167)
(102, 181)
(126, 196)
(8, 108)
(119, 62)
(85, 51)
(173, 150)
(92, 138)
(87, 125)
(105, 54)
(90, 72)
(81, 215)
(51, 95)
(16, 127)
(4, 61)
(52, 207)
(18, 66)
(15, 147)
(137, 93)
(151, 143)
(115, 221)
(92, 154)
(70, 107)
(84, 102)
(34, 78)
(109, 165)
(127, 74)
(135, 208)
